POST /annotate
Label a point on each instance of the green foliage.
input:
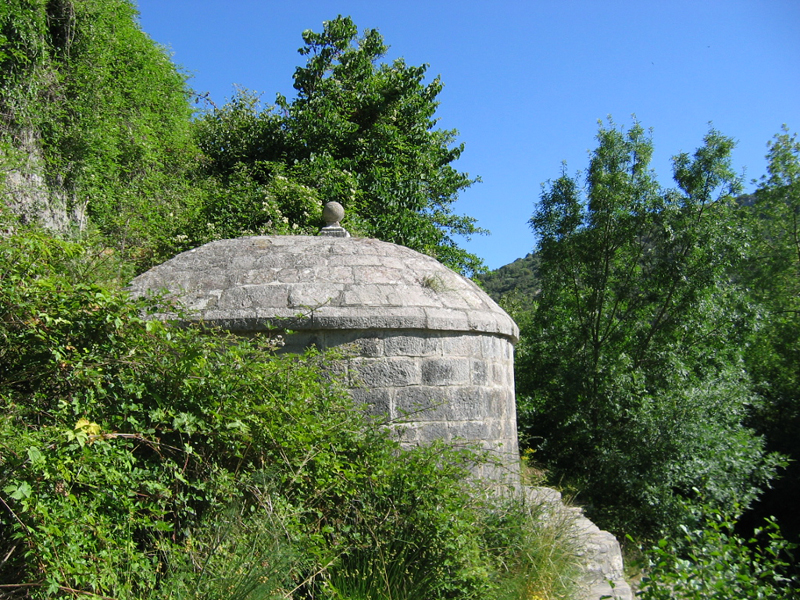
(358, 132)
(773, 357)
(629, 372)
(140, 460)
(713, 562)
(535, 548)
(516, 282)
(98, 118)
(239, 552)
(88, 95)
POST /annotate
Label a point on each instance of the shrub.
(711, 561)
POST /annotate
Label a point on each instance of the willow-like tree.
(629, 371)
(773, 359)
(359, 131)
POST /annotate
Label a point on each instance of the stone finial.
(333, 212)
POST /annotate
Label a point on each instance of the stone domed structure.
(430, 348)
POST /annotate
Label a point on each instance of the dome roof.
(303, 282)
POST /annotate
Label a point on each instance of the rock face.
(602, 576)
(427, 347)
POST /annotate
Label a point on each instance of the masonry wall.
(432, 385)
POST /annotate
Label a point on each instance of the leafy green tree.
(250, 191)
(712, 561)
(359, 132)
(629, 372)
(773, 358)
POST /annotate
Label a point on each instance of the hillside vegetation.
(517, 280)
(657, 371)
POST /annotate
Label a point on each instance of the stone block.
(500, 373)
(469, 430)
(446, 319)
(422, 403)
(370, 318)
(394, 372)
(445, 371)
(479, 372)
(307, 297)
(382, 274)
(365, 295)
(429, 432)
(256, 277)
(492, 346)
(411, 345)
(289, 275)
(499, 401)
(461, 345)
(482, 320)
(408, 295)
(332, 274)
(369, 347)
(494, 429)
(377, 403)
(467, 404)
(365, 260)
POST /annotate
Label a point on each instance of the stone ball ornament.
(332, 213)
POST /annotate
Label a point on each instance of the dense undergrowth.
(142, 460)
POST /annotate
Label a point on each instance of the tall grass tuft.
(394, 570)
(534, 548)
(241, 553)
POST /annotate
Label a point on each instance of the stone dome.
(302, 282)
(429, 351)
(433, 353)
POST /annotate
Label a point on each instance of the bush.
(711, 561)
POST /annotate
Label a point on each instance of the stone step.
(603, 575)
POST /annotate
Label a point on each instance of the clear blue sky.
(526, 81)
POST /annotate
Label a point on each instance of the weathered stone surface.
(445, 371)
(461, 345)
(386, 373)
(479, 372)
(420, 343)
(332, 282)
(378, 403)
(411, 345)
(600, 554)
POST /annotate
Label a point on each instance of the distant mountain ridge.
(519, 278)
